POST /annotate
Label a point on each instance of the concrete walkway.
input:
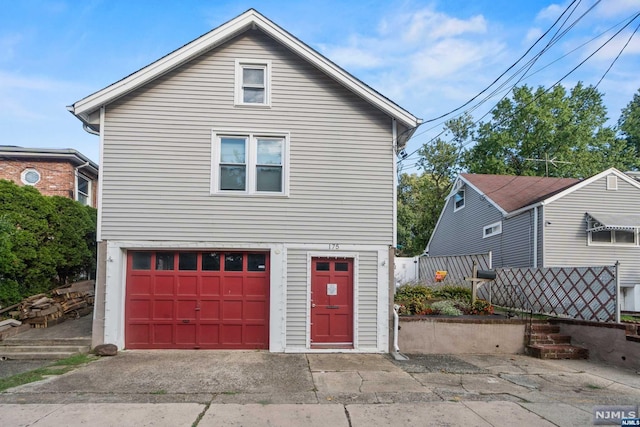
(254, 388)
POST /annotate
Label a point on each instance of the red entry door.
(332, 303)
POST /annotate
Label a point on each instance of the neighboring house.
(247, 198)
(546, 222)
(54, 172)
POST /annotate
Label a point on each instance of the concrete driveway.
(212, 388)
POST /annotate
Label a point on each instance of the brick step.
(544, 328)
(540, 338)
(557, 351)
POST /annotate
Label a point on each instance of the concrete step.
(634, 338)
(17, 341)
(557, 351)
(52, 355)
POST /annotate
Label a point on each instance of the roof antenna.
(554, 161)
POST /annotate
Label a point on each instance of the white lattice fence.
(587, 293)
(457, 267)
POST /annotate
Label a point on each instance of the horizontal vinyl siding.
(460, 232)
(368, 300)
(565, 229)
(157, 156)
(296, 323)
(516, 249)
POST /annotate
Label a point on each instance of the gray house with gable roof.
(546, 222)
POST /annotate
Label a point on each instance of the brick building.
(54, 172)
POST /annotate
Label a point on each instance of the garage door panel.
(232, 286)
(139, 285)
(197, 300)
(186, 334)
(188, 285)
(254, 334)
(210, 310)
(255, 310)
(210, 285)
(232, 309)
(139, 309)
(139, 333)
(255, 286)
(162, 334)
(163, 310)
(163, 285)
(186, 309)
(210, 334)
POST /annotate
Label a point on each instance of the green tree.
(44, 241)
(71, 244)
(421, 197)
(629, 123)
(530, 127)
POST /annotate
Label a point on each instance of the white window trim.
(23, 176)
(496, 225)
(256, 63)
(464, 199)
(89, 189)
(590, 242)
(251, 153)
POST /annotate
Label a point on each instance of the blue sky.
(428, 56)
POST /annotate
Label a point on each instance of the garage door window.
(164, 261)
(188, 261)
(256, 262)
(141, 261)
(210, 261)
(233, 262)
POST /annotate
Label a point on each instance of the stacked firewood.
(42, 310)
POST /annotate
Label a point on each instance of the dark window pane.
(232, 178)
(141, 261)
(187, 261)
(623, 236)
(211, 261)
(256, 262)
(342, 266)
(164, 261)
(269, 178)
(601, 236)
(322, 266)
(233, 262)
(253, 96)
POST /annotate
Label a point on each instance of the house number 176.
(334, 246)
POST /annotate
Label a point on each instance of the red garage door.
(208, 300)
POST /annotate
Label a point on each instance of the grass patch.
(159, 392)
(58, 367)
(629, 318)
(594, 387)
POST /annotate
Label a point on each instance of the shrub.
(409, 292)
(482, 307)
(453, 293)
(446, 308)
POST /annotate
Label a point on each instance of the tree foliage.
(533, 126)
(44, 241)
(629, 123)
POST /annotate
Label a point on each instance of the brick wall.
(56, 178)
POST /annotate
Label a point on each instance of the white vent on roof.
(612, 182)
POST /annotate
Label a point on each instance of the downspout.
(396, 327)
(535, 237)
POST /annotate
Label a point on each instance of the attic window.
(253, 83)
(612, 182)
(458, 200)
(30, 176)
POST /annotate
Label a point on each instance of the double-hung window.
(253, 83)
(83, 195)
(458, 200)
(250, 163)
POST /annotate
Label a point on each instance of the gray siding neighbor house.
(546, 222)
(247, 198)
